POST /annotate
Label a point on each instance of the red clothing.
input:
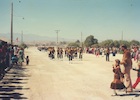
(136, 83)
(138, 79)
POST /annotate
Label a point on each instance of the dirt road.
(88, 79)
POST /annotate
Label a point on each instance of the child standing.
(27, 60)
(117, 83)
(138, 79)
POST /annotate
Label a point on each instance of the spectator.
(127, 62)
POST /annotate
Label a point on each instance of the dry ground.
(46, 79)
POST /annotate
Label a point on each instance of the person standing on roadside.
(127, 63)
(138, 76)
(137, 54)
(27, 60)
(107, 54)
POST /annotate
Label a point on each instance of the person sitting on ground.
(14, 59)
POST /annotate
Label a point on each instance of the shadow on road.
(12, 85)
(135, 93)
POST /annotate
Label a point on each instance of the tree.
(134, 42)
(95, 41)
(78, 42)
(107, 43)
(63, 43)
(116, 44)
(95, 45)
(90, 40)
(23, 45)
(125, 43)
(73, 44)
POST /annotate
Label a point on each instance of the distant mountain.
(30, 38)
(26, 37)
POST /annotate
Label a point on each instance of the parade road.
(59, 79)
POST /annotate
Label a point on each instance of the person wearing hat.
(127, 63)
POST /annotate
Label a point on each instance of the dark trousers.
(70, 57)
(107, 57)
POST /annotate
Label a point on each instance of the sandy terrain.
(46, 79)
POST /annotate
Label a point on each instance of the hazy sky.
(105, 19)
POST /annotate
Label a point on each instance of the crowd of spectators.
(9, 55)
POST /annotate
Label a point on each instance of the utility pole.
(57, 35)
(121, 42)
(12, 23)
(21, 37)
(122, 35)
(81, 40)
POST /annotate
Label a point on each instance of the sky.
(104, 19)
